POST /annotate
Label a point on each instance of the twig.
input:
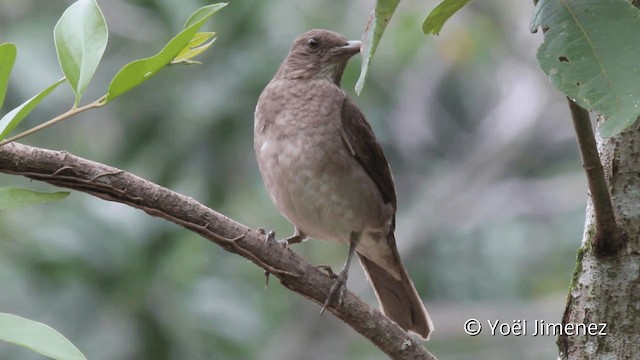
(71, 112)
(608, 238)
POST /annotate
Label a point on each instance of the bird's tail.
(398, 299)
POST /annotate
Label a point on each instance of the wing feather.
(361, 142)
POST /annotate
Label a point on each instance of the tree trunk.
(606, 291)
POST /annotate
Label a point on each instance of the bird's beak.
(352, 47)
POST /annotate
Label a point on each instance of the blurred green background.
(490, 190)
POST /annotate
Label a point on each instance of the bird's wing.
(360, 140)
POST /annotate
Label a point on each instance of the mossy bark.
(607, 290)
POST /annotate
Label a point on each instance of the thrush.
(327, 174)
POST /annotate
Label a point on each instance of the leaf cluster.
(80, 37)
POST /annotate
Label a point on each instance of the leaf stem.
(71, 112)
(608, 238)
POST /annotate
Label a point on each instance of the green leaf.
(194, 48)
(440, 14)
(378, 21)
(201, 15)
(8, 54)
(81, 37)
(136, 72)
(591, 52)
(37, 337)
(13, 197)
(15, 116)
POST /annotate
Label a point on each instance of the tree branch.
(62, 169)
(608, 239)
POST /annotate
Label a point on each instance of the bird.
(327, 174)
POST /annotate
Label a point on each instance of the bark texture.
(606, 290)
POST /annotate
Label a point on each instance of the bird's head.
(318, 54)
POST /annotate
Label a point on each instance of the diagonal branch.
(608, 238)
(62, 169)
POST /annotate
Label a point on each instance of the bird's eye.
(313, 43)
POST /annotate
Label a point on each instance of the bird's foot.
(328, 270)
(270, 237)
(337, 289)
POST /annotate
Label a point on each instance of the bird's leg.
(297, 237)
(340, 284)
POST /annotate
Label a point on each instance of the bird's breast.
(311, 176)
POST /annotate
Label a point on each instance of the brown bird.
(327, 174)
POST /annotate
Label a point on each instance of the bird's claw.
(338, 288)
(269, 237)
(328, 270)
